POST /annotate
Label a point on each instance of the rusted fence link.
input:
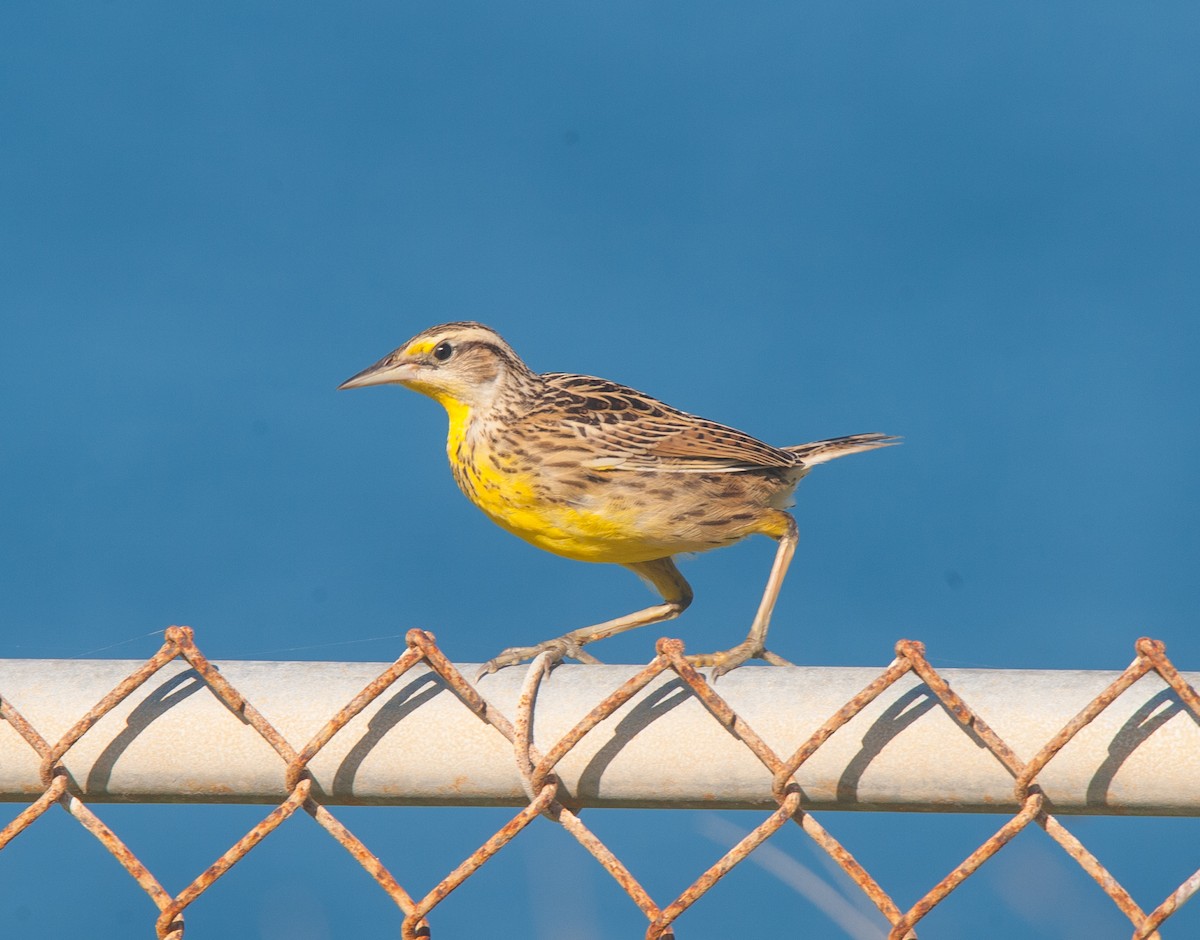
(784, 741)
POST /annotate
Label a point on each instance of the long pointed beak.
(385, 372)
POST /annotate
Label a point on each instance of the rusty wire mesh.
(545, 797)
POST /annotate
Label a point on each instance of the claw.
(728, 660)
(559, 648)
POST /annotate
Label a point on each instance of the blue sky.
(972, 226)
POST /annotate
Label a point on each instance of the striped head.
(457, 364)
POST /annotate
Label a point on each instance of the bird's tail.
(821, 451)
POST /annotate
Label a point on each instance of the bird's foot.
(735, 656)
(559, 649)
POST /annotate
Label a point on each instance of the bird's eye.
(443, 351)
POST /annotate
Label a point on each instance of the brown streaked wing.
(632, 430)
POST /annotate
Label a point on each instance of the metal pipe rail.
(172, 740)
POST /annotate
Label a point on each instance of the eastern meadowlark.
(595, 471)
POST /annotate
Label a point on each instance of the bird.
(596, 471)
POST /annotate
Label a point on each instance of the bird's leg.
(782, 528)
(662, 575)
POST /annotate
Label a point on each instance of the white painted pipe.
(172, 741)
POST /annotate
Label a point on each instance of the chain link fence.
(544, 793)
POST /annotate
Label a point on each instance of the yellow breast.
(521, 503)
